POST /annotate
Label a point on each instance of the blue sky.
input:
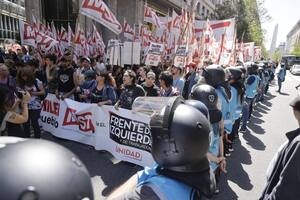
(285, 13)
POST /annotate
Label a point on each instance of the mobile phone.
(20, 94)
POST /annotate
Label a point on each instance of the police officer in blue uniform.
(208, 95)
(180, 141)
(214, 76)
(251, 89)
(237, 89)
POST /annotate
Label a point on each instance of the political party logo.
(130, 132)
(81, 120)
(129, 153)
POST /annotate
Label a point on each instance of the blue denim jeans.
(246, 111)
(279, 84)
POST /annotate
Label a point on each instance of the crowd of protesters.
(228, 92)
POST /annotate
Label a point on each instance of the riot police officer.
(37, 169)
(208, 95)
(180, 140)
(215, 76)
(251, 90)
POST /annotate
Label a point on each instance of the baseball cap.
(295, 103)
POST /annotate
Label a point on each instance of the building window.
(1, 25)
(7, 23)
(4, 22)
(199, 8)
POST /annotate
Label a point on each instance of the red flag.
(27, 33)
(128, 31)
(151, 17)
(98, 11)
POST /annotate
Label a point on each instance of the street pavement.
(246, 167)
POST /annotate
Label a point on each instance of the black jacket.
(284, 180)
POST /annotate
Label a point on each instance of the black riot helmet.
(243, 69)
(206, 94)
(180, 137)
(252, 69)
(235, 73)
(214, 75)
(38, 169)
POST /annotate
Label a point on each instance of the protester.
(166, 81)
(130, 90)
(142, 72)
(100, 66)
(66, 79)
(178, 81)
(27, 82)
(9, 114)
(103, 93)
(85, 89)
(51, 73)
(191, 78)
(9, 82)
(149, 85)
(283, 178)
(181, 173)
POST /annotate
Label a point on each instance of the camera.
(20, 94)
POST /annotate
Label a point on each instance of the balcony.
(12, 9)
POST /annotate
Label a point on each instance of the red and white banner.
(151, 17)
(45, 43)
(63, 38)
(98, 11)
(80, 42)
(257, 53)
(219, 27)
(128, 31)
(126, 135)
(27, 33)
(249, 52)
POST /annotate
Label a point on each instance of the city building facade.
(293, 38)
(10, 13)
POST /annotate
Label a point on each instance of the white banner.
(126, 135)
(131, 53)
(113, 52)
(98, 11)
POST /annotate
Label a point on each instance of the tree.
(248, 15)
(276, 57)
(296, 50)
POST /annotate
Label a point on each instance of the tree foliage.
(248, 15)
(276, 56)
(296, 50)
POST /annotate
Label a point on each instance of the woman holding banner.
(130, 91)
(103, 93)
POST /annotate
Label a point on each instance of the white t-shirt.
(34, 102)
